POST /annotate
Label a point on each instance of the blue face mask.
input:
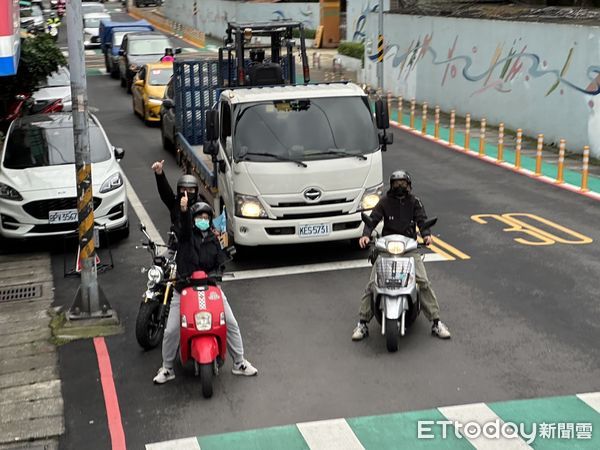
(202, 224)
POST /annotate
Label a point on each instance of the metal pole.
(89, 301)
(380, 47)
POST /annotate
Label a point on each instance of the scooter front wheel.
(392, 333)
(206, 379)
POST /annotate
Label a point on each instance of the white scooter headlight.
(395, 247)
(155, 275)
(203, 321)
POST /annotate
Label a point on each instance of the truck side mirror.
(386, 138)
(212, 125)
(178, 50)
(382, 115)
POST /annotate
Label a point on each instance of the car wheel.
(123, 82)
(166, 142)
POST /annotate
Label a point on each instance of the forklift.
(247, 64)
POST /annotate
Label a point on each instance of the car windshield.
(87, 8)
(160, 77)
(148, 46)
(91, 23)
(118, 37)
(305, 129)
(47, 143)
(58, 78)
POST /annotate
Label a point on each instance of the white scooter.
(395, 296)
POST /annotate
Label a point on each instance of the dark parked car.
(138, 49)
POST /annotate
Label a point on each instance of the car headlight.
(203, 320)
(155, 100)
(9, 193)
(113, 182)
(371, 197)
(249, 206)
(155, 275)
(395, 247)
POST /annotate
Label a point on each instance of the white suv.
(38, 191)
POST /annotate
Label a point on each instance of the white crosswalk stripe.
(329, 435)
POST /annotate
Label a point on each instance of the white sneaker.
(440, 330)
(244, 368)
(164, 375)
(360, 332)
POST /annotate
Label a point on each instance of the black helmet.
(400, 175)
(188, 181)
(200, 208)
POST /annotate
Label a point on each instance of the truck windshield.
(305, 129)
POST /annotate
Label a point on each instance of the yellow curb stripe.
(450, 248)
(440, 252)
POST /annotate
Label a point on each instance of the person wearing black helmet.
(199, 249)
(186, 183)
(401, 212)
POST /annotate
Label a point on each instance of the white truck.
(292, 162)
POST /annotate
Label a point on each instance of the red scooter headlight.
(203, 321)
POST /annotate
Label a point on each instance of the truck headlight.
(249, 206)
(371, 197)
(9, 193)
(203, 320)
(111, 183)
(395, 247)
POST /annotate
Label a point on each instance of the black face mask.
(398, 191)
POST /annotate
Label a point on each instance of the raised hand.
(158, 167)
(184, 202)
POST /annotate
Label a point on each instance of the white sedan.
(38, 191)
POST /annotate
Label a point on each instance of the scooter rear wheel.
(206, 379)
(392, 333)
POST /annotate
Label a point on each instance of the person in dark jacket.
(199, 249)
(186, 183)
(401, 212)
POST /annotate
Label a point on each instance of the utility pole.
(89, 302)
(380, 49)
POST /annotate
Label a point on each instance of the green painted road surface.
(569, 422)
(550, 170)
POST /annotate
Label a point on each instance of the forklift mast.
(244, 63)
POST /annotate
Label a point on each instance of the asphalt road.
(524, 317)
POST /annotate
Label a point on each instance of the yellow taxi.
(148, 90)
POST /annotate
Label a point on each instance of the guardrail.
(188, 34)
(496, 152)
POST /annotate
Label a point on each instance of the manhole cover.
(20, 292)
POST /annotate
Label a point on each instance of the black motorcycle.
(154, 309)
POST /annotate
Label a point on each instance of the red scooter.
(24, 105)
(203, 336)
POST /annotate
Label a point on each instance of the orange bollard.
(436, 122)
(467, 132)
(400, 101)
(412, 114)
(560, 177)
(452, 124)
(538, 155)
(500, 142)
(482, 138)
(584, 171)
(518, 148)
(424, 119)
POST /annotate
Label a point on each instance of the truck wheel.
(206, 379)
(166, 143)
(114, 72)
(148, 331)
(123, 81)
(392, 333)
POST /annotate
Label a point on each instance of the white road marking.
(142, 214)
(481, 414)
(592, 399)
(179, 444)
(329, 435)
(310, 268)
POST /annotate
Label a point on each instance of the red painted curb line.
(488, 159)
(111, 401)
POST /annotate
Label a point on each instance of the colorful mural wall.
(543, 78)
(212, 15)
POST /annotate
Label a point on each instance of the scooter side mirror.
(429, 223)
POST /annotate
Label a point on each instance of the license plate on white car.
(62, 216)
(314, 230)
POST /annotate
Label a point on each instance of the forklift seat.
(265, 74)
